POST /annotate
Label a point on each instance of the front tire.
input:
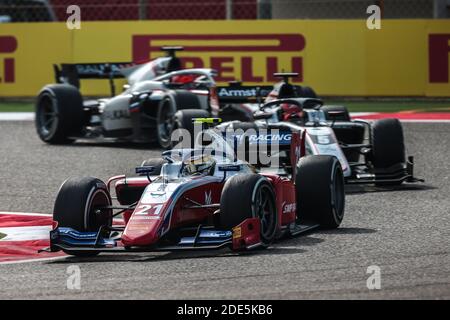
(249, 196)
(77, 205)
(388, 147)
(165, 121)
(59, 113)
(319, 186)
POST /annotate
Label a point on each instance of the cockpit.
(209, 158)
(198, 166)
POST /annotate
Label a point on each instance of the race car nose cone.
(141, 230)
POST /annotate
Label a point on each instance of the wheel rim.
(338, 194)
(265, 211)
(165, 122)
(96, 217)
(47, 116)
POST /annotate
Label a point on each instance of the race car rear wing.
(71, 73)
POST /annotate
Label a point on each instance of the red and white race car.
(199, 199)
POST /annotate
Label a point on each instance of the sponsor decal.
(116, 114)
(260, 136)
(281, 138)
(237, 232)
(221, 50)
(240, 93)
(245, 51)
(208, 198)
(8, 45)
(147, 218)
(289, 207)
(137, 229)
(438, 56)
(216, 234)
(95, 70)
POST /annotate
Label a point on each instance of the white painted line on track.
(360, 114)
(34, 260)
(16, 116)
(26, 214)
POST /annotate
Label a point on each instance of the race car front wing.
(244, 236)
(402, 172)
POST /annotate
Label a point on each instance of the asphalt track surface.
(406, 232)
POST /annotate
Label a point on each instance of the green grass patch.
(16, 107)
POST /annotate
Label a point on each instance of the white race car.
(368, 152)
(143, 112)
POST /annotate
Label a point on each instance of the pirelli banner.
(335, 57)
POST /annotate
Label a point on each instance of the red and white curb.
(22, 235)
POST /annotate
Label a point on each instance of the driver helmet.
(290, 111)
(199, 165)
(184, 78)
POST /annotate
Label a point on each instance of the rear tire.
(319, 186)
(76, 207)
(59, 113)
(249, 196)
